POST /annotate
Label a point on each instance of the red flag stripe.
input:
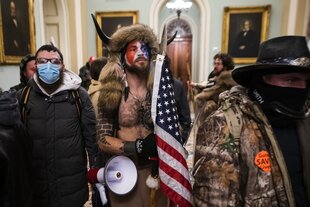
(175, 197)
(174, 174)
(173, 163)
(174, 146)
(171, 151)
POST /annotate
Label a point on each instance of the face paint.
(136, 52)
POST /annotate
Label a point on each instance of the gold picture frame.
(17, 33)
(244, 28)
(110, 22)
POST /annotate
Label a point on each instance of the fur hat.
(125, 35)
(286, 54)
(112, 76)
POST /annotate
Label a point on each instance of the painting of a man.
(245, 42)
(244, 28)
(16, 35)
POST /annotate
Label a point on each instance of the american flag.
(173, 170)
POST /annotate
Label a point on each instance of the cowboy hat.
(286, 54)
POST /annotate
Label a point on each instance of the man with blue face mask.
(60, 120)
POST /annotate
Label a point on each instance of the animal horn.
(106, 39)
(172, 38)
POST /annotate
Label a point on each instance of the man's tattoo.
(144, 111)
(104, 141)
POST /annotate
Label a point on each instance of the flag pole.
(152, 200)
(158, 67)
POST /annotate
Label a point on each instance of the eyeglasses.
(55, 61)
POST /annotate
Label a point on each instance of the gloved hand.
(147, 147)
(144, 148)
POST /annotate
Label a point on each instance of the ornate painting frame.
(244, 28)
(110, 22)
(16, 39)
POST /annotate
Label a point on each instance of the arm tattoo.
(103, 140)
(104, 127)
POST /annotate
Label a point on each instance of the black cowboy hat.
(286, 54)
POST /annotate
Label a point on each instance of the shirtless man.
(124, 125)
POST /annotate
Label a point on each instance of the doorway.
(180, 50)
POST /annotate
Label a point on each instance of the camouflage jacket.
(238, 162)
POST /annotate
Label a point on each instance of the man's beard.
(217, 72)
(142, 70)
(50, 88)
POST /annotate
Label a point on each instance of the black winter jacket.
(15, 156)
(60, 138)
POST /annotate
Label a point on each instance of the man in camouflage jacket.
(253, 150)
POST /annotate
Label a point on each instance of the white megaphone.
(119, 175)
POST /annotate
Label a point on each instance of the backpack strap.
(77, 100)
(24, 100)
(233, 116)
(25, 97)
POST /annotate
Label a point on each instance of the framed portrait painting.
(244, 28)
(17, 37)
(110, 22)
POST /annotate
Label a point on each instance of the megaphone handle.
(102, 194)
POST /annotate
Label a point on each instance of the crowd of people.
(58, 131)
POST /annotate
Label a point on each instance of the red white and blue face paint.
(136, 54)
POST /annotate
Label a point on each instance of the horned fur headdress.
(113, 77)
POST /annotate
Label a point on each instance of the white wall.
(9, 76)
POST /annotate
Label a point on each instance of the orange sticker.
(262, 160)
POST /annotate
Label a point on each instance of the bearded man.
(60, 120)
(124, 124)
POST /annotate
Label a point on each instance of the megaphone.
(119, 175)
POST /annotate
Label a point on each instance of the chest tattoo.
(135, 111)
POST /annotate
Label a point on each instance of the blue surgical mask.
(49, 73)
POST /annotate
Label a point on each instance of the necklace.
(137, 98)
